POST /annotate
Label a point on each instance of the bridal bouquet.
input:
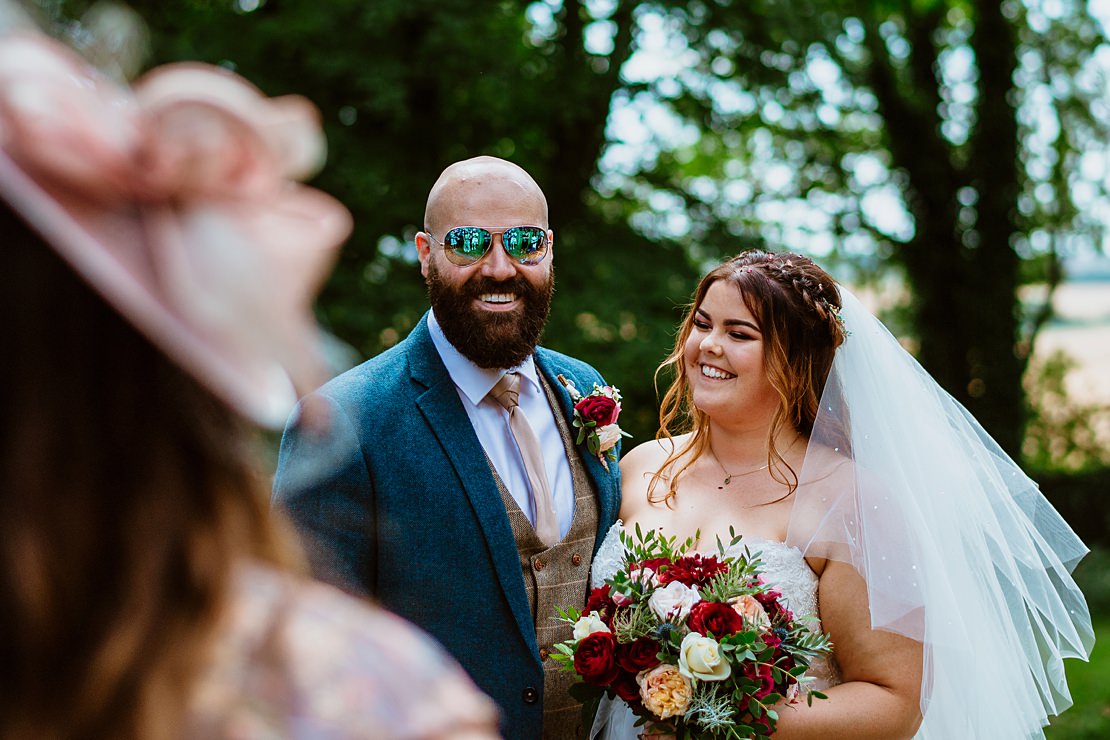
(698, 646)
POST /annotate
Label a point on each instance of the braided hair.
(797, 306)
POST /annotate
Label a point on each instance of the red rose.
(639, 655)
(762, 673)
(600, 409)
(626, 687)
(770, 600)
(594, 658)
(600, 601)
(771, 639)
(712, 616)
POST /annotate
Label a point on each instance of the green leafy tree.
(944, 137)
(407, 86)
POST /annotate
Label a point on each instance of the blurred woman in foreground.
(159, 267)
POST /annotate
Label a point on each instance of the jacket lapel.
(606, 482)
(447, 418)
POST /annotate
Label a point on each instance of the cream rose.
(608, 436)
(673, 601)
(665, 691)
(589, 624)
(700, 657)
(751, 611)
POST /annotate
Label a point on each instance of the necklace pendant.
(728, 479)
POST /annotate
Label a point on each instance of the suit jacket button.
(576, 559)
(530, 695)
(539, 564)
(543, 653)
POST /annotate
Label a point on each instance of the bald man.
(428, 494)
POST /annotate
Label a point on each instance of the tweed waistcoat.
(556, 575)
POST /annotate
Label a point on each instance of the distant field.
(1082, 330)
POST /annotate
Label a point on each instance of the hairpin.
(835, 311)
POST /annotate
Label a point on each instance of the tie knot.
(507, 390)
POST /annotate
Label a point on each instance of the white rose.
(608, 436)
(700, 657)
(644, 576)
(588, 625)
(673, 600)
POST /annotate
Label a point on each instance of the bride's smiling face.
(724, 357)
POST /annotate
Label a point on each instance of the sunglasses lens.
(526, 244)
(467, 244)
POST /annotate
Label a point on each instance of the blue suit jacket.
(398, 501)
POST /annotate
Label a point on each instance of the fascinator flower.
(177, 200)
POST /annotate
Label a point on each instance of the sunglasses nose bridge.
(497, 261)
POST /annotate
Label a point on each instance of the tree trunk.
(963, 275)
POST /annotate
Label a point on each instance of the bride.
(943, 575)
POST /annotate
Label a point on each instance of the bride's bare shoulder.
(638, 466)
(648, 457)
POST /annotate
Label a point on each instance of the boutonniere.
(595, 418)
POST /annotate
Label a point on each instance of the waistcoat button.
(543, 653)
(539, 564)
(576, 559)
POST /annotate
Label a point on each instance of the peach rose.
(664, 691)
(754, 615)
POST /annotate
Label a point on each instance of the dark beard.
(491, 340)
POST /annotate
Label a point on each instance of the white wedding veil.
(959, 548)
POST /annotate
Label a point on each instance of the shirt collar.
(475, 382)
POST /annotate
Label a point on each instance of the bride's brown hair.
(126, 497)
(797, 307)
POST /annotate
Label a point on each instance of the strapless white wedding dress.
(783, 568)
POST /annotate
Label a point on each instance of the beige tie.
(507, 392)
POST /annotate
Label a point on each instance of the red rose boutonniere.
(595, 418)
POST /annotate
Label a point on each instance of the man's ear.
(423, 251)
(551, 242)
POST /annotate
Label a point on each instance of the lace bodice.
(784, 568)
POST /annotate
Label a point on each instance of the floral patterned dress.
(298, 659)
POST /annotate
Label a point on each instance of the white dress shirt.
(491, 423)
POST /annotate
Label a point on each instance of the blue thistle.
(663, 631)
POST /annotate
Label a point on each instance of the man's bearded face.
(491, 339)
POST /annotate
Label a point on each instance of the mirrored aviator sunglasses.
(465, 245)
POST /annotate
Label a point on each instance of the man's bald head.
(485, 188)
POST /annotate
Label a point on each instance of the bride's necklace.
(729, 476)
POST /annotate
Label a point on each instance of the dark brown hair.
(796, 305)
(126, 496)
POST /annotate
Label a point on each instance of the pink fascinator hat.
(177, 200)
